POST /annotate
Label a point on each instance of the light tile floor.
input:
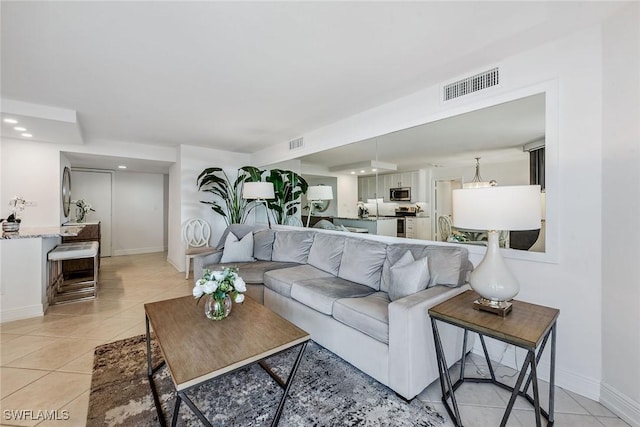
(46, 362)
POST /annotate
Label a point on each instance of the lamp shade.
(514, 207)
(258, 190)
(320, 192)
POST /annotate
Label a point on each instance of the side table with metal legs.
(539, 325)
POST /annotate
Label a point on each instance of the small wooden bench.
(84, 288)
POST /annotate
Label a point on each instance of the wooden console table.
(82, 267)
(528, 326)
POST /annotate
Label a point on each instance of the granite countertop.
(39, 232)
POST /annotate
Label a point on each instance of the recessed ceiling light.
(353, 173)
(12, 121)
(374, 170)
(27, 135)
(19, 129)
(362, 171)
(122, 167)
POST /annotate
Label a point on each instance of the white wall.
(347, 196)
(175, 250)
(34, 170)
(138, 213)
(621, 214)
(31, 170)
(183, 181)
(569, 70)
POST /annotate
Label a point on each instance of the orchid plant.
(17, 204)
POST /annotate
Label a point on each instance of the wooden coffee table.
(197, 349)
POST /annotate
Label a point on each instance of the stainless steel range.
(401, 213)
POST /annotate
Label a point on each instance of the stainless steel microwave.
(400, 194)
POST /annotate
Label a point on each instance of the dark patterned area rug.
(327, 391)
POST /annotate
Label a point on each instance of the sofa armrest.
(413, 364)
(200, 262)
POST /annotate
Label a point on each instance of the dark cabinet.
(81, 267)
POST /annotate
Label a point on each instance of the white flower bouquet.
(82, 209)
(221, 283)
(222, 286)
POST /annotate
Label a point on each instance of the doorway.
(95, 187)
(444, 206)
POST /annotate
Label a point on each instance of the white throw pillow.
(238, 250)
(408, 276)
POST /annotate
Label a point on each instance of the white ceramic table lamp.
(317, 193)
(494, 209)
(259, 192)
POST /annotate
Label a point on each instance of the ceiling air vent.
(471, 84)
(294, 144)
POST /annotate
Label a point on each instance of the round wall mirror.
(66, 191)
(321, 205)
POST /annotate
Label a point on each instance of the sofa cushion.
(362, 262)
(320, 294)
(326, 252)
(369, 315)
(292, 246)
(263, 244)
(280, 281)
(238, 250)
(408, 276)
(239, 230)
(448, 265)
(253, 272)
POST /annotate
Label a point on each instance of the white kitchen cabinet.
(386, 185)
(423, 228)
(367, 188)
(418, 228)
(373, 187)
(410, 228)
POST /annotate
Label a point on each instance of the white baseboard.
(21, 313)
(568, 380)
(621, 405)
(137, 251)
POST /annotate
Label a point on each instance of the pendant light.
(477, 181)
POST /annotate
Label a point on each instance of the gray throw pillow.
(448, 266)
(263, 244)
(362, 262)
(326, 252)
(292, 246)
(408, 276)
(238, 250)
(239, 230)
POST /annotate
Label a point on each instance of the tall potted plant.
(288, 187)
(228, 200)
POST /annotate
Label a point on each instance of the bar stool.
(62, 291)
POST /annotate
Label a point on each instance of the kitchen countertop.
(39, 232)
(370, 218)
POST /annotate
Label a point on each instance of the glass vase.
(217, 309)
(80, 214)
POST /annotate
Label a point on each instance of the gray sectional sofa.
(362, 299)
